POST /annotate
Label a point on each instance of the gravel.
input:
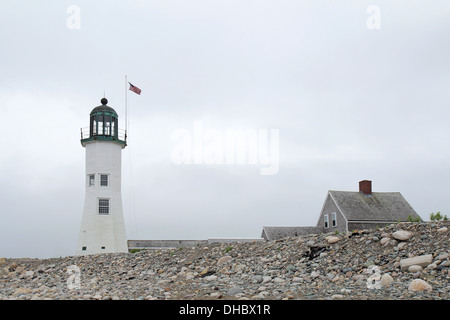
(362, 264)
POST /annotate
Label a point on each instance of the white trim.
(326, 221)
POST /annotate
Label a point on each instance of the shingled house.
(350, 210)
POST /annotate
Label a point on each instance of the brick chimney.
(365, 186)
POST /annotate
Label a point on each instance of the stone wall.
(141, 244)
(175, 244)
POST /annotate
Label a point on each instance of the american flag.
(135, 89)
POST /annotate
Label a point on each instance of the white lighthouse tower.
(102, 226)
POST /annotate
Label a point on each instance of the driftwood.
(315, 251)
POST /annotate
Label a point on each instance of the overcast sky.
(355, 92)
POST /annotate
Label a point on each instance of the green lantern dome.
(103, 125)
(104, 109)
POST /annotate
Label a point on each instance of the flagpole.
(126, 107)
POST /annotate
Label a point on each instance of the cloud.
(349, 103)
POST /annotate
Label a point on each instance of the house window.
(103, 206)
(91, 179)
(103, 248)
(104, 180)
(325, 218)
(84, 248)
(333, 219)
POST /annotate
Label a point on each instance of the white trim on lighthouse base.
(102, 226)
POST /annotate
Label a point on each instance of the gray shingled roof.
(379, 206)
(273, 233)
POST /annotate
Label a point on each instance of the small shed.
(273, 233)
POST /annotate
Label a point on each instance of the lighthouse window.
(104, 180)
(107, 120)
(100, 127)
(103, 206)
(113, 128)
(91, 180)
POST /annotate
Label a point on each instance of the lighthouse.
(102, 225)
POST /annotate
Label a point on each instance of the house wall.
(366, 225)
(328, 208)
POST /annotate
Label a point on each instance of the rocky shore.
(402, 261)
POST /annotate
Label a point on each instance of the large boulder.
(422, 261)
(386, 280)
(4, 272)
(223, 260)
(419, 285)
(332, 239)
(402, 235)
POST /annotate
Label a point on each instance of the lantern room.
(103, 126)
